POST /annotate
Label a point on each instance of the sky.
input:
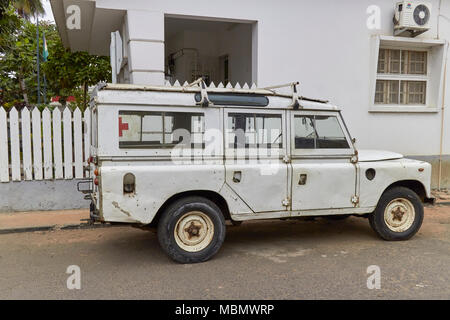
(48, 11)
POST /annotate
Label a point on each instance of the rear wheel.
(398, 215)
(191, 230)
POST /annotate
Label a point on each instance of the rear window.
(160, 129)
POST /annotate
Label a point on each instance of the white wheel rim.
(399, 215)
(194, 231)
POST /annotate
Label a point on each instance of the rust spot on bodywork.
(398, 214)
(193, 230)
(116, 205)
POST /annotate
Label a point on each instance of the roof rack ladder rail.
(295, 98)
(204, 101)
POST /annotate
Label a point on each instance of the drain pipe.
(442, 119)
(444, 86)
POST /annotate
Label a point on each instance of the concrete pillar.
(145, 46)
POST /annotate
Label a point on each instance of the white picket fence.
(43, 145)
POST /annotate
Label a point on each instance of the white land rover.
(186, 159)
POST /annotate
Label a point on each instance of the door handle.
(303, 178)
(237, 175)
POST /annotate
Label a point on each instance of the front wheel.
(398, 215)
(191, 230)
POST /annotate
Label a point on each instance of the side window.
(319, 132)
(160, 129)
(250, 130)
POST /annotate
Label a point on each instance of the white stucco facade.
(326, 45)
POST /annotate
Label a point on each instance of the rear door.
(255, 145)
(323, 175)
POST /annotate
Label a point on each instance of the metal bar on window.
(142, 120)
(163, 116)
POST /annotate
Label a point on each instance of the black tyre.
(191, 230)
(398, 215)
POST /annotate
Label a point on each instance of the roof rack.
(295, 99)
(228, 95)
(205, 101)
(313, 100)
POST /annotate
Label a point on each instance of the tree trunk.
(23, 88)
(63, 101)
(85, 96)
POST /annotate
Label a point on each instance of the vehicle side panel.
(389, 172)
(156, 182)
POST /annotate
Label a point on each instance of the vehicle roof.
(277, 100)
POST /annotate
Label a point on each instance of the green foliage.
(80, 101)
(66, 72)
(42, 106)
(17, 57)
(28, 8)
(9, 21)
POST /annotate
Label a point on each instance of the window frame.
(299, 153)
(166, 146)
(438, 49)
(251, 153)
(403, 77)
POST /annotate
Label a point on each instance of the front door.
(323, 176)
(255, 146)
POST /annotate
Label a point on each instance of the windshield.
(319, 132)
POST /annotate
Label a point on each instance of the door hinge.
(355, 158)
(355, 200)
(286, 159)
(286, 202)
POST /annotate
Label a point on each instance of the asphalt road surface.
(290, 259)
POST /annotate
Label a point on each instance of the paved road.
(259, 260)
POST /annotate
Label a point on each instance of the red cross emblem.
(122, 126)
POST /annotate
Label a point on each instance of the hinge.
(286, 159)
(286, 202)
(355, 200)
(354, 158)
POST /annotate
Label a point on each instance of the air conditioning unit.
(412, 18)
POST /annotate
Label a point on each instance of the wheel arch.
(413, 185)
(208, 194)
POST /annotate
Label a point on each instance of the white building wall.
(326, 45)
(145, 46)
